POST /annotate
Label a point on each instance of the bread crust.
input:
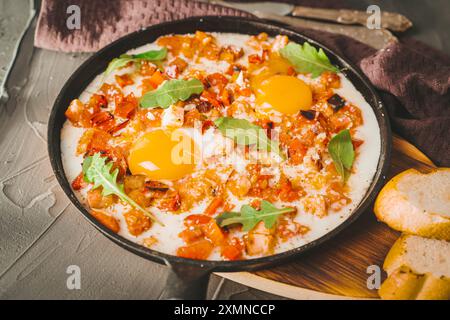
(403, 283)
(393, 208)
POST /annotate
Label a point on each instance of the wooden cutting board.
(338, 268)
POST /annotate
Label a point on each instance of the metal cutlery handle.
(389, 20)
(376, 38)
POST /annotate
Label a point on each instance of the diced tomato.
(125, 106)
(106, 220)
(119, 127)
(233, 249)
(255, 59)
(230, 252)
(291, 71)
(149, 117)
(213, 206)
(110, 91)
(176, 67)
(191, 117)
(124, 80)
(296, 151)
(156, 79)
(79, 183)
(217, 80)
(287, 228)
(147, 68)
(199, 250)
(206, 125)
(97, 102)
(137, 222)
(211, 98)
(256, 203)
(190, 235)
(357, 143)
(103, 120)
(196, 220)
(330, 80)
(98, 142)
(78, 114)
(287, 193)
(213, 232)
(171, 201)
(246, 92)
(225, 97)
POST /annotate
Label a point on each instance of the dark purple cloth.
(412, 78)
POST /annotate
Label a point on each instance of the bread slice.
(417, 203)
(417, 268)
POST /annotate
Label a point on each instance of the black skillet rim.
(99, 61)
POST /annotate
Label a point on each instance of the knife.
(389, 20)
(377, 38)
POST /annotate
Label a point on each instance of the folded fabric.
(413, 78)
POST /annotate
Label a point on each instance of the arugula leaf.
(98, 172)
(170, 92)
(152, 55)
(306, 58)
(249, 217)
(245, 133)
(341, 151)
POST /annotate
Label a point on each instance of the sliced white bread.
(417, 268)
(417, 203)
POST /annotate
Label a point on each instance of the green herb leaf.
(152, 55)
(170, 92)
(307, 59)
(341, 151)
(245, 133)
(98, 172)
(249, 217)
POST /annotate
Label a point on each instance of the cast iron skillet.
(188, 278)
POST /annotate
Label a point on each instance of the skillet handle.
(186, 283)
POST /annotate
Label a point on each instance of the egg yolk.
(285, 94)
(163, 155)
